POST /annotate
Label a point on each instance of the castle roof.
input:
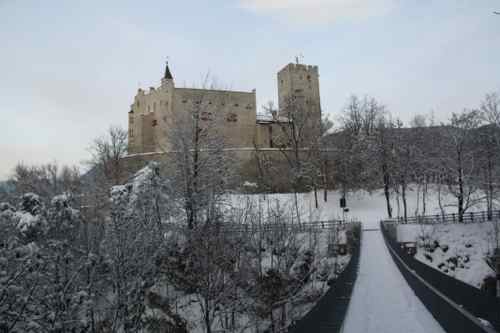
(168, 75)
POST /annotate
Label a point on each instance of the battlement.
(300, 67)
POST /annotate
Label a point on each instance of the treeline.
(372, 150)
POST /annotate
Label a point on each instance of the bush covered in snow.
(138, 265)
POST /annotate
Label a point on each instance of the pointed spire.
(168, 75)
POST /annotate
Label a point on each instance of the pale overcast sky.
(69, 69)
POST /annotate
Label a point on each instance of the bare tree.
(298, 142)
(47, 180)
(107, 153)
(383, 149)
(458, 158)
(200, 165)
(489, 143)
(404, 159)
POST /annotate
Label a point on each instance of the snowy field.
(368, 208)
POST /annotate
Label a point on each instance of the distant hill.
(6, 186)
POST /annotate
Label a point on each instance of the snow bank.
(458, 250)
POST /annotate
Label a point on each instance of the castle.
(234, 113)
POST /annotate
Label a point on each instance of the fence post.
(472, 216)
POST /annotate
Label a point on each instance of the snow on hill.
(458, 250)
(364, 206)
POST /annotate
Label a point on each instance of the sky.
(70, 69)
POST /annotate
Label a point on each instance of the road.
(382, 301)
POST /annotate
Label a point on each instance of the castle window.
(154, 106)
(309, 78)
(248, 107)
(281, 81)
(232, 117)
(197, 102)
(130, 133)
(154, 123)
(184, 101)
(149, 108)
(206, 115)
(138, 104)
(236, 105)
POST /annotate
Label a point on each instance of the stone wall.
(231, 113)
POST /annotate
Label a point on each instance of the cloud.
(319, 11)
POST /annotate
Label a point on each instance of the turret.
(168, 79)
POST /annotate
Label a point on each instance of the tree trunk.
(403, 197)
(325, 183)
(296, 199)
(387, 192)
(315, 196)
(489, 196)
(424, 196)
(460, 190)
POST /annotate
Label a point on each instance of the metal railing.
(470, 217)
(296, 227)
(455, 304)
(329, 313)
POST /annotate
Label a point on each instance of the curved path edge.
(451, 316)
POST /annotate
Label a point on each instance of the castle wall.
(231, 113)
(269, 134)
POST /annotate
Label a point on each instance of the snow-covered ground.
(458, 250)
(366, 207)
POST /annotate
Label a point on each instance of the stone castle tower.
(300, 83)
(233, 112)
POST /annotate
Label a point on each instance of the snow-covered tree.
(132, 245)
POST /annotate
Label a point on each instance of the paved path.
(382, 301)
